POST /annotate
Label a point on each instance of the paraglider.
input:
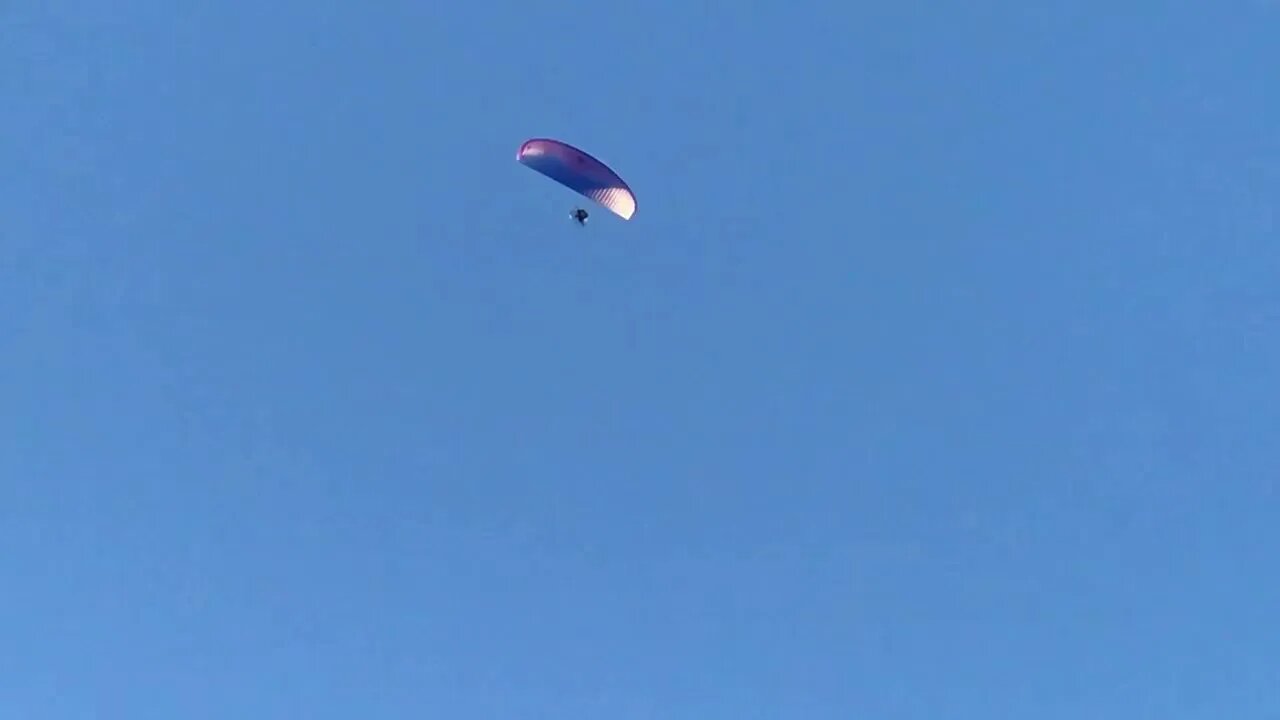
(579, 172)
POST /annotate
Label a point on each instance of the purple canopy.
(580, 172)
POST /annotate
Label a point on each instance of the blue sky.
(936, 376)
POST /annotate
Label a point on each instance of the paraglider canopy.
(579, 172)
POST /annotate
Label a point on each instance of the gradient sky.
(937, 376)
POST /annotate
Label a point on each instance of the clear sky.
(937, 376)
